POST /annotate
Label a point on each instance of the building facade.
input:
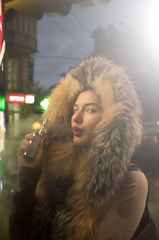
(21, 44)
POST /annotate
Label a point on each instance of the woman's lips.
(77, 131)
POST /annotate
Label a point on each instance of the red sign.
(16, 98)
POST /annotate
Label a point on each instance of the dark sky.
(64, 41)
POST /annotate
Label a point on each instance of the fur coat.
(77, 185)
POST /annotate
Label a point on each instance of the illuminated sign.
(30, 99)
(2, 131)
(2, 51)
(21, 98)
(16, 98)
(44, 103)
(1, 23)
(2, 91)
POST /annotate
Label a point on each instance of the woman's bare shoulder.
(138, 180)
(132, 195)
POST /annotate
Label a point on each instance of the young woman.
(81, 184)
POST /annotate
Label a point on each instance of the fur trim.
(97, 175)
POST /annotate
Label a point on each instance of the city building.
(21, 44)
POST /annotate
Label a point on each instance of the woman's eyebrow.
(75, 105)
(86, 104)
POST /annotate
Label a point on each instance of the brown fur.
(96, 174)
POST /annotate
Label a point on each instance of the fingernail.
(30, 141)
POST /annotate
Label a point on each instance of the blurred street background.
(16, 131)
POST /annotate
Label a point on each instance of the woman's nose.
(77, 117)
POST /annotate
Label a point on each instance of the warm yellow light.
(36, 125)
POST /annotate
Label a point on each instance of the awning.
(36, 8)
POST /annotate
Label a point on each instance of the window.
(13, 74)
(28, 26)
(23, 23)
(17, 22)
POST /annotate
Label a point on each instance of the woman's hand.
(26, 147)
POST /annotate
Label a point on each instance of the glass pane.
(42, 49)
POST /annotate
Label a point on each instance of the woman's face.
(87, 113)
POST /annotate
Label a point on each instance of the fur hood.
(95, 177)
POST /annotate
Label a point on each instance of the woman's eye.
(90, 110)
(75, 110)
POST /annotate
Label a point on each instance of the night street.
(16, 130)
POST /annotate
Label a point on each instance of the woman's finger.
(25, 146)
(30, 136)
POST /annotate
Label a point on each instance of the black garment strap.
(133, 167)
(148, 233)
(146, 229)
